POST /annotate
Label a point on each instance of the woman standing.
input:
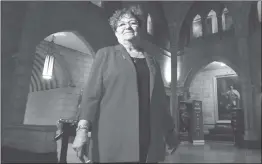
(124, 100)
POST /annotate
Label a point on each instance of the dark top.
(143, 79)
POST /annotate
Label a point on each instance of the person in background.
(124, 101)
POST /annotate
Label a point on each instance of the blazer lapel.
(124, 53)
(150, 63)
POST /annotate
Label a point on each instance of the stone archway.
(202, 84)
(243, 77)
(38, 24)
(55, 98)
(204, 62)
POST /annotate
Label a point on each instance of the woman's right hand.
(80, 142)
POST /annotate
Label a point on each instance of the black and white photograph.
(130, 81)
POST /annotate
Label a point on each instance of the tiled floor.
(211, 152)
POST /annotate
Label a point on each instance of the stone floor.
(214, 152)
(211, 152)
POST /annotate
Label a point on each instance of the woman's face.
(127, 28)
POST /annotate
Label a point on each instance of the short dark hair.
(134, 11)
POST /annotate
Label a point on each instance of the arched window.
(211, 22)
(259, 10)
(197, 26)
(227, 21)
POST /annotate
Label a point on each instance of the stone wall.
(45, 107)
(32, 138)
(203, 88)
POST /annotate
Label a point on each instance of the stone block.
(32, 138)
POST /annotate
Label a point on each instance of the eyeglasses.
(132, 23)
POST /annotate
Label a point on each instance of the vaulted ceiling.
(69, 40)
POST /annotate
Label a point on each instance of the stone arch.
(60, 63)
(61, 75)
(185, 25)
(66, 78)
(175, 18)
(204, 62)
(39, 23)
(92, 52)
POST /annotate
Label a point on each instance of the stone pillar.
(219, 22)
(240, 13)
(203, 21)
(8, 65)
(21, 82)
(23, 69)
(246, 88)
(174, 99)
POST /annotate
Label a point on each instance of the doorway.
(211, 86)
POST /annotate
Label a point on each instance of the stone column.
(173, 44)
(23, 69)
(240, 13)
(21, 82)
(219, 22)
(8, 65)
(246, 87)
(203, 22)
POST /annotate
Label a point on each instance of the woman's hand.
(81, 144)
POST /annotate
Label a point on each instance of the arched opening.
(197, 27)
(50, 99)
(227, 21)
(211, 22)
(213, 86)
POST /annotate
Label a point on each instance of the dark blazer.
(110, 101)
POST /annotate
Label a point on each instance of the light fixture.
(49, 60)
(149, 25)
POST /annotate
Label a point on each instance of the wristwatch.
(83, 127)
(86, 125)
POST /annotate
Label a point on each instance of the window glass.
(211, 22)
(197, 26)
